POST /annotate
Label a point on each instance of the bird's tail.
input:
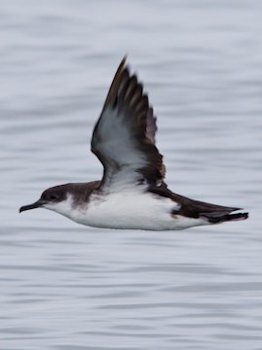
(213, 213)
(227, 217)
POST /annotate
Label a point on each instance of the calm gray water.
(70, 287)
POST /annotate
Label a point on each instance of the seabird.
(132, 193)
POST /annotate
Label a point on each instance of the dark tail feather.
(213, 213)
(227, 217)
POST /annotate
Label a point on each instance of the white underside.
(127, 210)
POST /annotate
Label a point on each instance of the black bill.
(37, 204)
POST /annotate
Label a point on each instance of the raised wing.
(124, 135)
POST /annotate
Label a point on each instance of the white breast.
(132, 210)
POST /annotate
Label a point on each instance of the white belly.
(132, 210)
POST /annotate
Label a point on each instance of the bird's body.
(130, 208)
(132, 193)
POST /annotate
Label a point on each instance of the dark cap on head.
(80, 193)
(51, 195)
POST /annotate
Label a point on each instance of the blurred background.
(70, 287)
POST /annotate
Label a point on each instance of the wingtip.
(115, 83)
(123, 62)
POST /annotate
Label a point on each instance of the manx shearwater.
(132, 193)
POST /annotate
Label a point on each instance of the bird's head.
(54, 198)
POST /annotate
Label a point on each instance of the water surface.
(67, 287)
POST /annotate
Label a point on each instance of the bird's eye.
(53, 197)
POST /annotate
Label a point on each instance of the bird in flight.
(132, 193)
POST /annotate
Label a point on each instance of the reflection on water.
(67, 287)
